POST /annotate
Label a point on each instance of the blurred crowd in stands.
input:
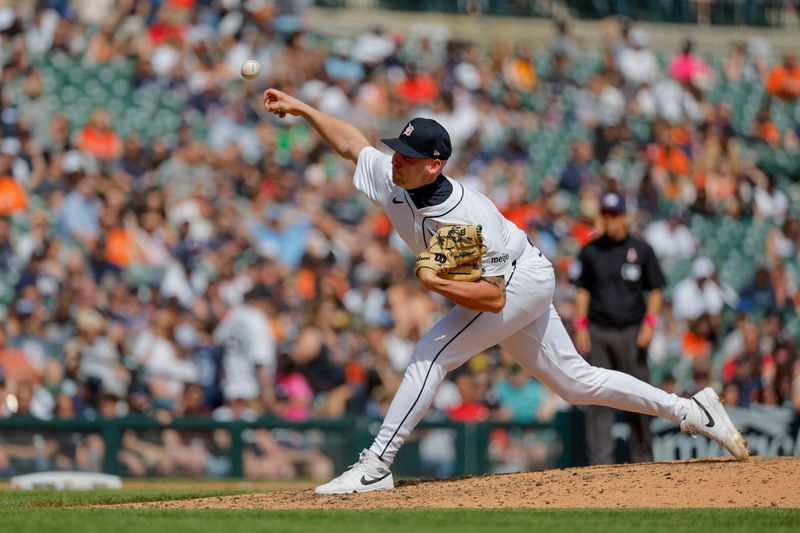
(167, 249)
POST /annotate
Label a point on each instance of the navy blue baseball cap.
(421, 138)
(612, 202)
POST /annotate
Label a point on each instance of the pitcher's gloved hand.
(454, 252)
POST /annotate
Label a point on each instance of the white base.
(66, 481)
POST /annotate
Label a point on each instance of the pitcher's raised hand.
(280, 103)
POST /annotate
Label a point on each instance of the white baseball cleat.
(367, 475)
(707, 417)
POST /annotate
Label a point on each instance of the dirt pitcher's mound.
(722, 482)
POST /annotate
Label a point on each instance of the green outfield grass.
(48, 511)
(44, 499)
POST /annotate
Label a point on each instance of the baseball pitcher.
(501, 284)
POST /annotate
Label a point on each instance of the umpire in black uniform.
(614, 324)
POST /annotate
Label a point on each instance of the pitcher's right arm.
(343, 137)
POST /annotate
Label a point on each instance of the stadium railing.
(476, 448)
(721, 12)
(437, 449)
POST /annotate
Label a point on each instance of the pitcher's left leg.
(546, 350)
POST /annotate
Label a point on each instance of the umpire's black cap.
(421, 138)
(259, 292)
(612, 202)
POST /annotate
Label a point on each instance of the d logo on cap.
(422, 137)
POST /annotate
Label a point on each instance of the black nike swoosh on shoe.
(710, 420)
(396, 201)
(365, 481)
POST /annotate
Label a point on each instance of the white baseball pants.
(529, 328)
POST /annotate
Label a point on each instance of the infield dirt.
(719, 482)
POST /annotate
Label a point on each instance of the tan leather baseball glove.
(454, 252)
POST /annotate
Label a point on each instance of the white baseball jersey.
(528, 327)
(505, 241)
(247, 339)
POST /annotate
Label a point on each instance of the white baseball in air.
(251, 69)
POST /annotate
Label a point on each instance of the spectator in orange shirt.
(167, 25)
(519, 72)
(101, 48)
(471, 409)
(181, 5)
(417, 87)
(97, 137)
(519, 209)
(783, 80)
(695, 343)
(666, 154)
(765, 130)
(14, 365)
(12, 195)
(118, 245)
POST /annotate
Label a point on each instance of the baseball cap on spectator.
(230, 23)
(384, 320)
(69, 387)
(421, 138)
(366, 275)
(612, 202)
(677, 213)
(312, 90)
(702, 268)
(256, 5)
(342, 47)
(186, 336)
(89, 319)
(7, 17)
(558, 204)
(72, 162)
(10, 146)
(468, 75)
(259, 292)
(638, 37)
(612, 170)
(200, 33)
(24, 307)
(138, 388)
(286, 24)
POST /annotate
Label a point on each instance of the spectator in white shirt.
(700, 294)
(674, 102)
(600, 102)
(782, 241)
(168, 366)
(770, 201)
(94, 355)
(670, 237)
(637, 64)
(249, 360)
(373, 47)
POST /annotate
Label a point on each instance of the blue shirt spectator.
(520, 396)
(79, 216)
